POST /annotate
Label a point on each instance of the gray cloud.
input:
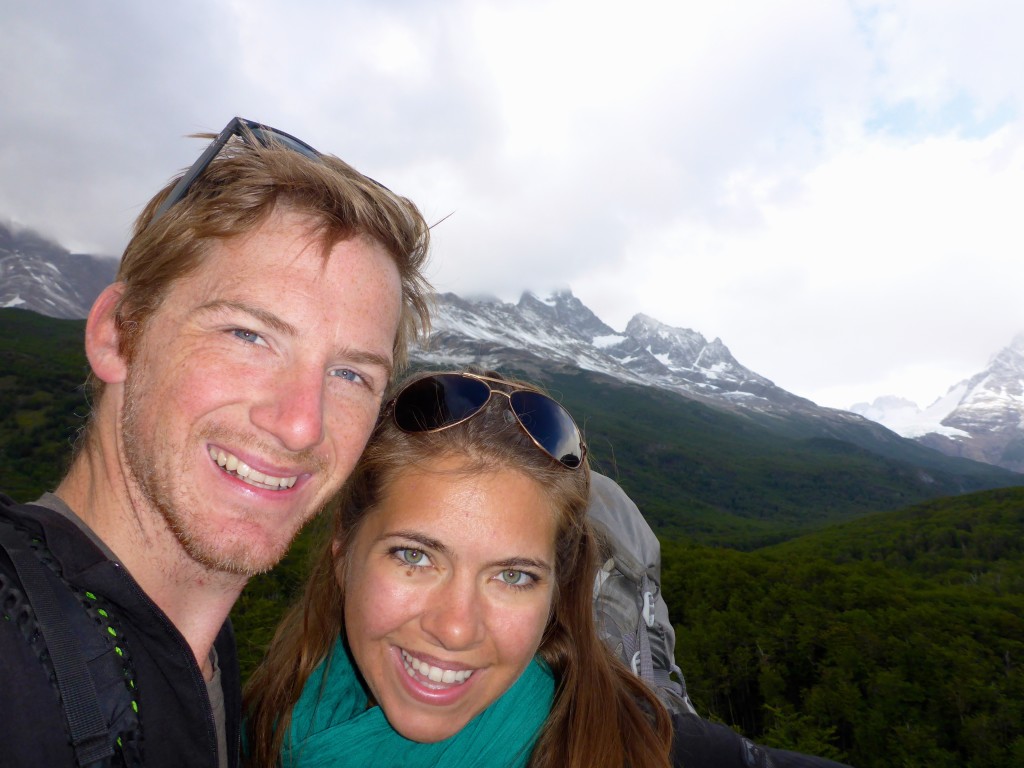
(826, 186)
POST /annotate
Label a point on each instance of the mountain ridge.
(985, 420)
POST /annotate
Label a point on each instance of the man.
(238, 365)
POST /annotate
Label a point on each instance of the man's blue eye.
(347, 374)
(250, 336)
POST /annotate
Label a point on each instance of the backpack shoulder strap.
(89, 733)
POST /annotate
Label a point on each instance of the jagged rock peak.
(641, 325)
(716, 352)
(682, 345)
(554, 297)
(558, 300)
(566, 310)
(1009, 361)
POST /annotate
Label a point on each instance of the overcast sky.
(832, 188)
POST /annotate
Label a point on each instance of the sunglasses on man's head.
(442, 400)
(247, 130)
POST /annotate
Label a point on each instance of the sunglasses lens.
(550, 425)
(439, 401)
(266, 136)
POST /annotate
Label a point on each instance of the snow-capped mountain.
(39, 275)
(981, 418)
(978, 419)
(559, 329)
(558, 333)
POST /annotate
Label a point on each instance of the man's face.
(255, 387)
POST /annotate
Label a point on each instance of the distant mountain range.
(559, 330)
(980, 419)
(39, 275)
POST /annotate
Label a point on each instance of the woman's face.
(448, 588)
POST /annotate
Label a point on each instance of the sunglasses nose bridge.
(506, 395)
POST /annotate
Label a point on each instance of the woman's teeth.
(434, 674)
(253, 477)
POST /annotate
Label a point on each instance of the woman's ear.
(103, 337)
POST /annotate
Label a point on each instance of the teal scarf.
(332, 728)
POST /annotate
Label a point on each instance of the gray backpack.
(632, 617)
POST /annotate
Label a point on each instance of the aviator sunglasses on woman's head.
(442, 400)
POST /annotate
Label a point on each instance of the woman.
(449, 621)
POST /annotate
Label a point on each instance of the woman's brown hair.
(602, 717)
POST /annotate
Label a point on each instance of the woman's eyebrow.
(518, 563)
(431, 543)
(420, 538)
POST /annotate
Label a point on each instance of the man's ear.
(102, 337)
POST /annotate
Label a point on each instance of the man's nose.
(291, 409)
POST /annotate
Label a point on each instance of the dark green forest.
(826, 598)
(892, 640)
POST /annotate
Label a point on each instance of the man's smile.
(235, 466)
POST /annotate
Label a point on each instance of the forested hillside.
(894, 640)
(891, 639)
(696, 471)
(42, 402)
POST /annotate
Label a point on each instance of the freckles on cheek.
(352, 425)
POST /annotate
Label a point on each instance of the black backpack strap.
(90, 736)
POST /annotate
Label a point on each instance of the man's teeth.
(247, 473)
(435, 674)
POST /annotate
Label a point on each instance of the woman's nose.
(455, 617)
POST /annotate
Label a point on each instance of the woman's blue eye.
(514, 578)
(413, 556)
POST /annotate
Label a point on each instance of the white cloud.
(829, 187)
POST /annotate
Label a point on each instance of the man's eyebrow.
(280, 325)
(264, 316)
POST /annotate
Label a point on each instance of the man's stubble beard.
(153, 480)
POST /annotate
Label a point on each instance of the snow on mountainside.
(559, 329)
(908, 419)
(981, 418)
(41, 276)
